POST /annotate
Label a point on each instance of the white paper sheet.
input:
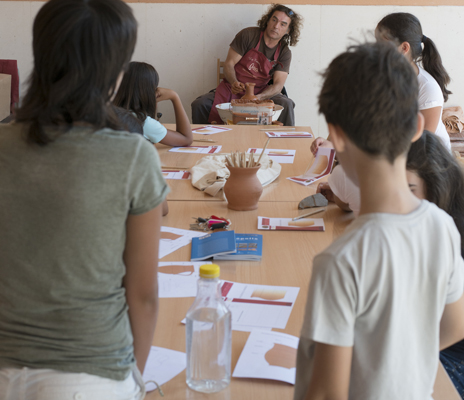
(175, 174)
(173, 239)
(282, 156)
(259, 305)
(289, 134)
(268, 355)
(210, 129)
(178, 279)
(163, 365)
(321, 167)
(284, 224)
(197, 149)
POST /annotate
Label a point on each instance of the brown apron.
(253, 67)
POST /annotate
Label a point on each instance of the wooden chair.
(220, 71)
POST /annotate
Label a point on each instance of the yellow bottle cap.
(209, 271)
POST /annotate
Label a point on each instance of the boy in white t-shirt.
(387, 295)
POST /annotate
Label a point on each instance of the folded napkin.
(210, 173)
(453, 118)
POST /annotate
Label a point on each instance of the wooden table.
(287, 257)
(287, 261)
(243, 137)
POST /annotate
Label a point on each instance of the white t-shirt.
(153, 130)
(430, 96)
(381, 288)
(345, 189)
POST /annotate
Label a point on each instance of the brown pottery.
(249, 92)
(243, 189)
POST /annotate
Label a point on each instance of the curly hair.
(293, 35)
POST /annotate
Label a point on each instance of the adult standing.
(256, 55)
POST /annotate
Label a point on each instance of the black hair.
(370, 92)
(296, 23)
(405, 27)
(137, 91)
(442, 175)
(129, 122)
(80, 47)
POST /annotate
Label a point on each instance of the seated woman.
(434, 174)
(139, 93)
(81, 217)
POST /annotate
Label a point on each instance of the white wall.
(183, 42)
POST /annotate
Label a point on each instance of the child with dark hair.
(378, 284)
(435, 175)
(129, 122)
(81, 227)
(139, 92)
(405, 31)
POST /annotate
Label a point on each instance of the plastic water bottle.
(208, 335)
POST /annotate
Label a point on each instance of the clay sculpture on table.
(316, 200)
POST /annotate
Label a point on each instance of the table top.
(280, 265)
(243, 137)
(287, 256)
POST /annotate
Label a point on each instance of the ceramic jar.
(243, 189)
(249, 92)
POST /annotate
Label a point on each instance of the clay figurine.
(249, 92)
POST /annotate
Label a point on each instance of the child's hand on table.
(324, 189)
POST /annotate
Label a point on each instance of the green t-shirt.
(63, 213)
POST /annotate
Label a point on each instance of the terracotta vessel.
(243, 189)
(249, 92)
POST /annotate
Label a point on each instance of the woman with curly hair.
(259, 55)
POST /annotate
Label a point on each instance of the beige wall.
(183, 42)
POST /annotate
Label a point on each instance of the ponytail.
(405, 27)
(432, 63)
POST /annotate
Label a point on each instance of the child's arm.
(165, 208)
(431, 118)
(141, 279)
(330, 379)
(452, 324)
(183, 135)
(326, 191)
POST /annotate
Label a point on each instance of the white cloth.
(381, 287)
(210, 173)
(430, 96)
(153, 130)
(345, 189)
(47, 384)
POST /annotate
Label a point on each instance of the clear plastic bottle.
(208, 335)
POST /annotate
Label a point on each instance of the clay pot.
(243, 189)
(249, 92)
